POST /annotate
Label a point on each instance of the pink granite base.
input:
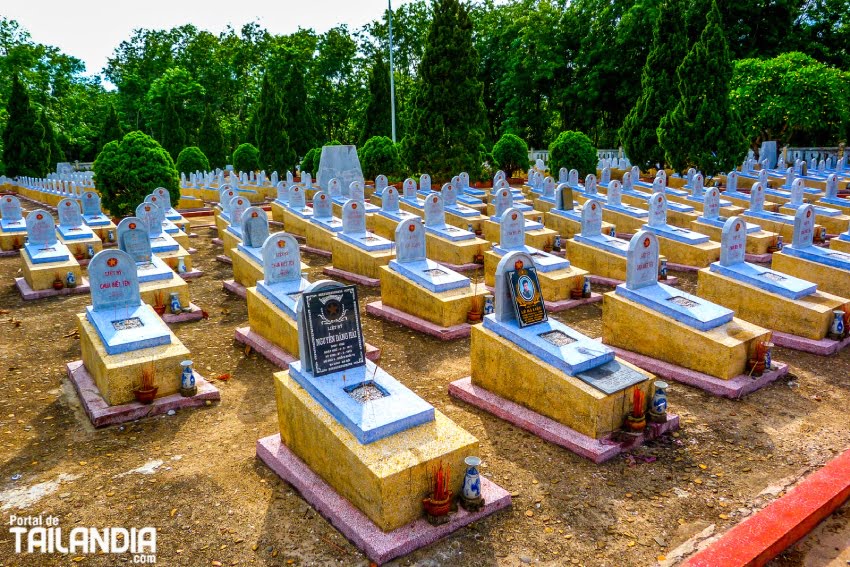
(9, 253)
(352, 277)
(195, 313)
(564, 304)
(276, 224)
(759, 258)
(380, 547)
(218, 242)
(102, 414)
(28, 294)
(192, 250)
(194, 274)
(378, 309)
(234, 287)
(316, 251)
(823, 347)
(224, 259)
(597, 450)
(681, 267)
(733, 388)
(611, 282)
(277, 355)
(463, 268)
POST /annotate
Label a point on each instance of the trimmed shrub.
(192, 159)
(246, 158)
(510, 153)
(379, 155)
(572, 150)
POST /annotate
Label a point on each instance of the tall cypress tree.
(111, 128)
(173, 136)
(658, 97)
(24, 151)
(448, 117)
(287, 72)
(378, 121)
(703, 131)
(211, 139)
(272, 138)
(54, 153)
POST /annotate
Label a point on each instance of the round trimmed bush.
(511, 154)
(246, 158)
(192, 159)
(573, 150)
(126, 172)
(379, 156)
(310, 163)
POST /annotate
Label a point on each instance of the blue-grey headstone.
(425, 183)
(606, 176)
(804, 227)
(732, 182)
(615, 193)
(69, 213)
(238, 205)
(322, 205)
(163, 195)
(642, 260)
(410, 240)
(563, 175)
(463, 180)
(627, 181)
(832, 186)
(389, 200)
(91, 203)
(114, 281)
(659, 185)
(297, 198)
(353, 217)
(591, 218)
(698, 185)
(564, 197)
(409, 189)
(282, 192)
(255, 227)
(733, 242)
(134, 240)
(306, 180)
(40, 228)
(10, 209)
(573, 178)
(149, 214)
(503, 307)
(512, 230)
(711, 204)
(449, 193)
(757, 198)
(380, 183)
(355, 191)
(549, 187)
(590, 184)
(335, 188)
(435, 214)
(502, 201)
(797, 191)
(657, 210)
(281, 259)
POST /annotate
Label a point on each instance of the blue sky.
(92, 29)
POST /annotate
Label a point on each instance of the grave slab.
(102, 414)
(29, 294)
(353, 260)
(381, 311)
(556, 285)
(40, 277)
(830, 279)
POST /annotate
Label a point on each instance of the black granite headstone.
(334, 336)
(526, 296)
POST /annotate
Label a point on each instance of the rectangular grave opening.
(840, 255)
(557, 338)
(451, 229)
(369, 239)
(683, 301)
(773, 276)
(142, 266)
(367, 391)
(435, 272)
(127, 324)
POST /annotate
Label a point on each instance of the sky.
(91, 29)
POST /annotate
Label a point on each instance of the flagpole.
(392, 72)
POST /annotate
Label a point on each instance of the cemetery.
(424, 285)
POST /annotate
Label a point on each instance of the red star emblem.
(39, 216)
(411, 227)
(132, 226)
(254, 215)
(353, 205)
(112, 262)
(646, 242)
(808, 213)
(518, 265)
(281, 243)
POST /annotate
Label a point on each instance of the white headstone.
(797, 191)
(281, 259)
(757, 198)
(733, 242)
(134, 240)
(356, 192)
(322, 205)
(151, 215)
(711, 204)
(10, 209)
(606, 176)
(410, 240)
(563, 175)
(698, 185)
(732, 182)
(590, 184)
(297, 198)
(642, 260)
(564, 197)
(615, 193)
(334, 188)
(40, 228)
(69, 213)
(832, 186)
(591, 218)
(353, 217)
(424, 183)
(512, 230)
(573, 178)
(282, 192)
(659, 185)
(409, 189)
(380, 183)
(238, 205)
(435, 214)
(306, 180)
(627, 181)
(804, 227)
(114, 281)
(502, 201)
(449, 193)
(389, 200)
(657, 210)
(255, 227)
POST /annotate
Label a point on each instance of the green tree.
(379, 156)
(378, 120)
(511, 154)
(173, 136)
(174, 106)
(211, 139)
(791, 98)
(54, 152)
(127, 171)
(24, 149)
(272, 138)
(192, 159)
(572, 150)
(703, 131)
(448, 118)
(657, 98)
(288, 69)
(246, 158)
(111, 128)
(310, 163)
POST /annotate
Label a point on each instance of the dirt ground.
(194, 476)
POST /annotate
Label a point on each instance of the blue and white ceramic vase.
(176, 308)
(659, 398)
(779, 243)
(110, 235)
(489, 306)
(837, 328)
(472, 480)
(556, 246)
(70, 280)
(662, 269)
(585, 287)
(187, 379)
(90, 251)
(181, 265)
(613, 231)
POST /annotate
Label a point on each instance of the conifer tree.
(272, 137)
(658, 95)
(211, 139)
(173, 136)
(378, 121)
(703, 131)
(24, 151)
(54, 152)
(287, 74)
(447, 120)
(111, 128)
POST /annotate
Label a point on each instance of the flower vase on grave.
(188, 388)
(585, 287)
(58, 282)
(556, 243)
(636, 421)
(176, 308)
(90, 251)
(110, 235)
(470, 496)
(70, 280)
(662, 269)
(489, 306)
(837, 329)
(181, 265)
(658, 408)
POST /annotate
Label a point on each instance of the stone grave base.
(404, 206)
(733, 388)
(230, 241)
(834, 225)
(316, 251)
(377, 223)
(844, 208)
(757, 242)
(444, 310)
(778, 227)
(829, 279)
(686, 256)
(540, 238)
(9, 253)
(102, 414)
(463, 268)
(464, 222)
(80, 247)
(509, 371)
(234, 287)
(348, 258)
(625, 223)
(195, 313)
(555, 286)
(277, 212)
(351, 277)
(597, 261)
(40, 277)
(378, 309)
(320, 240)
(389, 491)
(454, 253)
(224, 259)
(28, 294)
(808, 317)
(246, 270)
(172, 257)
(840, 245)
(191, 275)
(823, 347)
(116, 375)
(379, 546)
(721, 352)
(183, 240)
(567, 227)
(597, 450)
(541, 205)
(672, 281)
(164, 288)
(11, 242)
(294, 224)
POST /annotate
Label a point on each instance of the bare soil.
(214, 503)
